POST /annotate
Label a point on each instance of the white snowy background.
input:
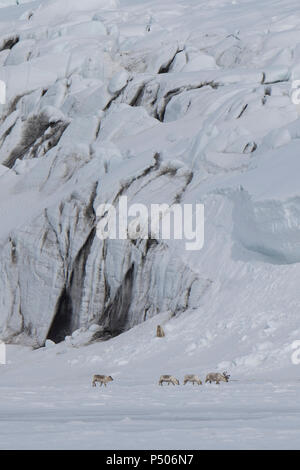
(95, 89)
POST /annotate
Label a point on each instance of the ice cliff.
(178, 101)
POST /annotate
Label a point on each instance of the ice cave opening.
(62, 322)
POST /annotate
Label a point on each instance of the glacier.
(102, 98)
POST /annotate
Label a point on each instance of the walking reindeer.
(169, 379)
(217, 377)
(102, 379)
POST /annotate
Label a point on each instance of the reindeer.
(169, 379)
(102, 379)
(217, 377)
(192, 378)
(160, 332)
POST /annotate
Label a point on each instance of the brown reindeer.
(102, 379)
(217, 377)
(170, 379)
(160, 332)
(192, 378)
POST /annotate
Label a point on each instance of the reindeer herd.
(211, 377)
(170, 379)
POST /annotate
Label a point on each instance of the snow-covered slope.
(48, 402)
(161, 101)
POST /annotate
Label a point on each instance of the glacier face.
(161, 102)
